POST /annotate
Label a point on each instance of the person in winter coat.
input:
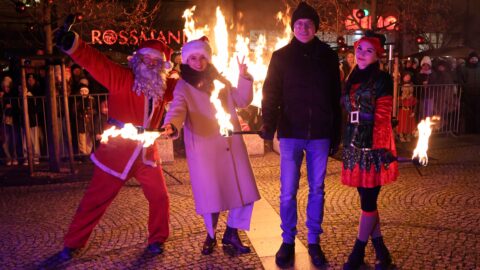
(35, 118)
(231, 186)
(424, 94)
(136, 96)
(443, 92)
(369, 147)
(409, 67)
(300, 102)
(11, 121)
(347, 65)
(86, 113)
(470, 81)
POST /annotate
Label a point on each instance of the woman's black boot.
(383, 258)
(208, 245)
(231, 238)
(355, 260)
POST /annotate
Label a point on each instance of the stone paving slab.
(429, 220)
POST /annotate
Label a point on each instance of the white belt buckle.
(354, 119)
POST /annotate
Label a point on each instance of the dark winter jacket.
(470, 79)
(34, 105)
(301, 93)
(11, 109)
(86, 111)
(362, 90)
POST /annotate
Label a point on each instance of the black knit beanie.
(471, 55)
(305, 11)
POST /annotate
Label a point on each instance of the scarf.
(363, 75)
(201, 80)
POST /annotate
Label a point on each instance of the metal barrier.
(87, 117)
(428, 100)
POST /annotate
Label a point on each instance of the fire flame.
(225, 57)
(287, 33)
(130, 132)
(424, 132)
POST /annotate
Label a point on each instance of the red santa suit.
(120, 159)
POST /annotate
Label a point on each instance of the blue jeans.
(291, 155)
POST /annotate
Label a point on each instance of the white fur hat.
(200, 46)
(426, 60)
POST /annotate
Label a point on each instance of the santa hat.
(376, 40)
(305, 11)
(200, 46)
(426, 60)
(156, 48)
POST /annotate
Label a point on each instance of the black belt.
(356, 117)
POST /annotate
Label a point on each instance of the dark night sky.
(257, 15)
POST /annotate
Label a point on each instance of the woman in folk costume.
(230, 186)
(369, 148)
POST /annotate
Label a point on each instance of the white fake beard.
(148, 81)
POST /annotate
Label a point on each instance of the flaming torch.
(222, 116)
(131, 132)
(424, 132)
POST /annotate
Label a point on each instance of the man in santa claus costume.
(137, 95)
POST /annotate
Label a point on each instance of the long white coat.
(220, 170)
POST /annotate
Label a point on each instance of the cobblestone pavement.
(430, 218)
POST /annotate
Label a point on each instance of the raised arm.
(243, 94)
(102, 69)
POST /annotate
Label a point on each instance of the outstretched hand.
(64, 38)
(168, 130)
(242, 67)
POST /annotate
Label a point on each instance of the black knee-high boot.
(355, 260)
(383, 258)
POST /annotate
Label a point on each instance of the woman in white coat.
(220, 171)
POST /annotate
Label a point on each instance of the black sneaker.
(155, 248)
(285, 256)
(67, 253)
(316, 254)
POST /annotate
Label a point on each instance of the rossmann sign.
(134, 37)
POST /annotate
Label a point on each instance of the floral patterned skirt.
(366, 168)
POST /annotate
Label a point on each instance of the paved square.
(429, 221)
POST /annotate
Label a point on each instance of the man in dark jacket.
(470, 81)
(301, 100)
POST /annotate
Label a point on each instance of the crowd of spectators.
(421, 81)
(88, 112)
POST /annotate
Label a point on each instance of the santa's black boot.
(355, 260)
(383, 259)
